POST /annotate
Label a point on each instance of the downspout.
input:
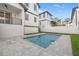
(76, 17)
(39, 27)
(25, 10)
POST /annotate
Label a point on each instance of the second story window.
(35, 20)
(26, 16)
(43, 15)
(35, 7)
(39, 16)
(27, 4)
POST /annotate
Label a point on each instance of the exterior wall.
(8, 31)
(28, 30)
(31, 22)
(30, 26)
(44, 24)
(31, 8)
(12, 30)
(78, 17)
(75, 20)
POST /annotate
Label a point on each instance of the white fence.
(61, 29)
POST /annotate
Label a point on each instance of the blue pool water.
(43, 40)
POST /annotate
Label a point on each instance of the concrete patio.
(21, 47)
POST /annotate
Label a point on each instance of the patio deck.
(20, 47)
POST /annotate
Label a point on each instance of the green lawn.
(75, 44)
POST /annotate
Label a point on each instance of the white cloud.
(58, 5)
(40, 10)
(62, 6)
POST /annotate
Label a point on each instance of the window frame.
(4, 18)
(35, 7)
(44, 15)
(35, 19)
(27, 4)
(26, 16)
(8, 19)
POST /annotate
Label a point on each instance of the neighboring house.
(44, 24)
(75, 17)
(46, 20)
(31, 18)
(11, 20)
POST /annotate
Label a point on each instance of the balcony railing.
(12, 20)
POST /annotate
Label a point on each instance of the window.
(47, 15)
(1, 17)
(1, 14)
(35, 7)
(5, 17)
(43, 15)
(26, 16)
(27, 4)
(40, 16)
(35, 19)
(40, 23)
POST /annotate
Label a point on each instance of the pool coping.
(32, 35)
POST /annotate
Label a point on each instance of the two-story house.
(45, 20)
(31, 18)
(75, 17)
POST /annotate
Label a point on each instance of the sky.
(60, 10)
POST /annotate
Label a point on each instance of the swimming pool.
(43, 40)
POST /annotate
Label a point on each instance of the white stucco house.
(11, 20)
(46, 20)
(31, 22)
(75, 17)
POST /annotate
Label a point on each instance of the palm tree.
(57, 19)
(67, 20)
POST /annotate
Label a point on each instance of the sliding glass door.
(1, 16)
(5, 17)
(8, 18)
